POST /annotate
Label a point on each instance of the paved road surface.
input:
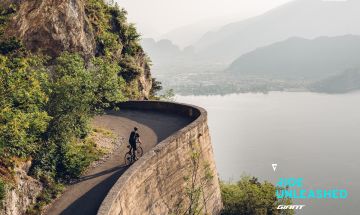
(85, 197)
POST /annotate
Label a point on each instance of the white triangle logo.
(274, 165)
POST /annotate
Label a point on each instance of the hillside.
(162, 51)
(61, 63)
(298, 58)
(342, 83)
(299, 18)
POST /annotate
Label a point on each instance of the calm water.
(313, 136)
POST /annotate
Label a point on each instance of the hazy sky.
(156, 17)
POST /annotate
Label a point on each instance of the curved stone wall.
(157, 183)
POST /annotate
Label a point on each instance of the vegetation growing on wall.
(2, 192)
(193, 199)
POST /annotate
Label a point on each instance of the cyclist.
(133, 140)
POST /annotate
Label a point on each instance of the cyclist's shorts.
(133, 145)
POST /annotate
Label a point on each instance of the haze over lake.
(309, 135)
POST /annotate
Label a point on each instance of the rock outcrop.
(53, 26)
(90, 28)
(22, 193)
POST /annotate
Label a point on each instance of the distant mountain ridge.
(342, 83)
(302, 18)
(164, 52)
(298, 58)
(160, 50)
(187, 35)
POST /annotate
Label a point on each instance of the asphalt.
(85, 196)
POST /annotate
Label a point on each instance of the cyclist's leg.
(132, 151)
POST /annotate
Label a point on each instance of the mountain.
(342, 83)
(298, 58)
(167, 58)
(189, 34)
(299, 18)
(160, 51)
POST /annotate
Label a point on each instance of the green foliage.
(9, 45)
(46, 104)
(77, 157)
(129, 68)
(51, 191)
(168, 95)
(5, 13)
(46, 116)
(77, 94)
(249, 196)
(24, 92)
(71, 98)
(2, 191)
(109, 86)
(117, 41)
(155, 89)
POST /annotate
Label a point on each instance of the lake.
(309, 135)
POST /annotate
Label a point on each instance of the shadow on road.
(105, 172)
(85, 196)
(156, 121)
(90, 202)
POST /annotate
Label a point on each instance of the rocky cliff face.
(22, 193)
(90, 28)
(51, 27)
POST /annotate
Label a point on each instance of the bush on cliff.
(118, 42)
(46, 104)
(249, 196)
(24, 94)
(45, 113)
(2, 191)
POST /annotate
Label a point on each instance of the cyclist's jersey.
(134, 136)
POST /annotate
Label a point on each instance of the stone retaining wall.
(157, 183)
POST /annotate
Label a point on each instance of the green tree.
(250, 197)
(24, 96)
(73, 93)
(109, 86)
(2, 192)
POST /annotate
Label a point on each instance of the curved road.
(85, 196)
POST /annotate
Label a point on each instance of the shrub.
(77, 156)
(24, 92)
(2, 191)
(71, 98)
(46, 104)
(249, 196)
(109, 86)
(51, 191)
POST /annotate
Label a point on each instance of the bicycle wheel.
(139, 152)
(128, 159)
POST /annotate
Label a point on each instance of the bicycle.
(129, 158)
